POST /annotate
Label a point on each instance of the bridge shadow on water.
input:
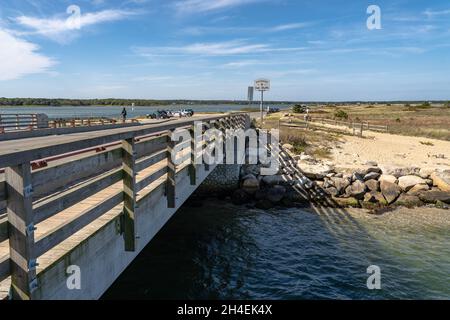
(212, 249)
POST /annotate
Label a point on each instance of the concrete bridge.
(92, 200)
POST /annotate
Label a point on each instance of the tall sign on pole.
(262, 85)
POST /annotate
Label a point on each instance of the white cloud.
(240, 64)
(19, 57)
(197, 31)
(223, 48)
(226, 48)
(290, 26)
(64, 29)
(431, 13)
(192, 6)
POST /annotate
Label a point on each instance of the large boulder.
(332, 191)
(441, 180)
(373, 185)
(328, 183)
(276, 194)
(315, 172)
(374, 169)
(375, 197)
(409, 201)
(250, 184)
(356, 190)
(340, 184)
(400, 171)
(434, 196)
(273, 180)
(418, 188)
(408, 182)
(441, 205)
(388, 178)
(372, 176)
(390, 191)
(358, 177)
(346, 202)
(425, 173)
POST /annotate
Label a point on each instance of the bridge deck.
(14, 152)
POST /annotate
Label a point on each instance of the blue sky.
(214, 49)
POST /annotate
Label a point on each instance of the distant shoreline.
(45, 102)
(42, 102)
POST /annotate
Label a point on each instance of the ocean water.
(220, 251)
(115, 112)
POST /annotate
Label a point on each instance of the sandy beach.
(392, 150)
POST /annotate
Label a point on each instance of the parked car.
(272, 110)
(166, 114)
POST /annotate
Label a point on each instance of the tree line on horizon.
(151, 102)
(111, 102)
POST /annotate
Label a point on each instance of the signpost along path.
(262, 85)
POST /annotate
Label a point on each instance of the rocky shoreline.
(369, 186)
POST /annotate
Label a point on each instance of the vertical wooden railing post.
(192, 166)
(223, 128)
(21, 231)
(129, 193)
(217, 127)
(171, 173)
(207, 126)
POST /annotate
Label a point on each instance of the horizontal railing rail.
(22, 121)
(366, 125)
(83, 122)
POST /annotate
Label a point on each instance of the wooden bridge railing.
(87, 122)
(47, 205)
(22, 121)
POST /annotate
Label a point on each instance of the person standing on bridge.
(124, 114)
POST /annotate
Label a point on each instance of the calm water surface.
(220, 251)
(114, 112)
